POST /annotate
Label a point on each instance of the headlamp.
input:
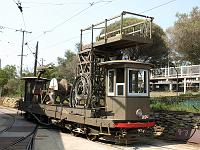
(139, 113)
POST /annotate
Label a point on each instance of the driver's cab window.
(111, 82)
(116, 82)
(137, 82)
(120, 82)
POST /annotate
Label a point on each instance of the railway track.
(10, 120)
(15, 133)
(51, 137)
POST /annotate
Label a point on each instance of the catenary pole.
(36, 57)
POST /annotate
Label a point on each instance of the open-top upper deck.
(136, 34)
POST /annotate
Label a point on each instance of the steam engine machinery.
(109, 98)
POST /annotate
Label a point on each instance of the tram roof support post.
(92, 36)
(150, 32)
(36, 59)
(81, 38)
(121, 24)
(105, 37)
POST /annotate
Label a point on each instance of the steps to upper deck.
(136, 34)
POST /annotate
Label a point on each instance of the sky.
(56, 24)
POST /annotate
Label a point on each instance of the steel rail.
(30, 142)
(21, 139)
(11, 124)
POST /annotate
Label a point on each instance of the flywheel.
(80, 92)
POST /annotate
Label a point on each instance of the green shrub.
(180, 103)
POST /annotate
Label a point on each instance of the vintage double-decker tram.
(109, 98)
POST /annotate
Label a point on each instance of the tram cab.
(127, 89)
(34, 89)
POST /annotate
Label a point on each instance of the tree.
(156, 53)
(3, 77)
(11, 71)
(27, 73)
(3, 80)
(11, 87)
(184, 36)
(67, 66)
(8, 80)
(51, 72)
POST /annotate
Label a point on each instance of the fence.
(183, 71)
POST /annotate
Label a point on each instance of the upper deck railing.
(142, 28)
(183, 71)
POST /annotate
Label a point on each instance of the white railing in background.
(183, 71)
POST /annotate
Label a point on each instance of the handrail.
(193, 70)
(135, 14)
(147, 28)
(102, 22)
(126, 27)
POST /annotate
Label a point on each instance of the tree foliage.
(52, 72)
(12, 87)
(67, 66)
(11, 71)
(9, 81)
(155, 53)
(3, 77)
(184, 36)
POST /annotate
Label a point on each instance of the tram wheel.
(75, 133)
(91, 137)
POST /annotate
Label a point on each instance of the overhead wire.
(76, 14)
(64, 41)
(43, 3)
(111, 1)
(32, 53)
(158, 6)
(5, 27)
(54, 4)
(62, 3)
(91, 4)
(19, 5)
(60, 24)
(68, 19)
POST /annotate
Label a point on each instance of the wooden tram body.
(110, 97)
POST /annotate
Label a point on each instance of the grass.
(186, 102)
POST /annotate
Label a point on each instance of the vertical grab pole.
(105, 36)
(121, 24)
(80, 70)
(81, 40)
(150, 34)
(92, 76)
(92, 36)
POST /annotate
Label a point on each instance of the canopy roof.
(125, 63)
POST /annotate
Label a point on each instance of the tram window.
(120, 75)
(28, 87)
(28, 90)
(120, 89)
(137, 82)
(37, 88)
(111, 74)
(119, 81)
